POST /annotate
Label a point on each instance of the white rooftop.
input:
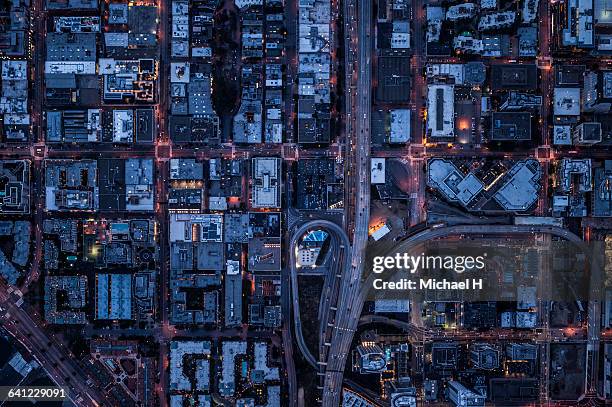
(227, 381)
(455, 71)
(461, 11)
(377, 166)
(266, 183)
(392, 305)
(123, 126)
(75, 67)
(496, 20)
(178, 351)
(179, 72)
(567, 102)
(562, 135)
(400, 126)
(261, 362)
(443, 175)
(441, 111)
(521, 189)
(468, 188)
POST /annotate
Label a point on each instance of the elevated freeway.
(341, 243)
(358, 28)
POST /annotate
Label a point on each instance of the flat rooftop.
(511, 126)
(441, 111)
(522, 186)
(266, 182)
(393, 79)
(514, 76)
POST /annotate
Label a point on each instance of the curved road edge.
(299, 232)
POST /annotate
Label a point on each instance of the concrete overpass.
(337, 234)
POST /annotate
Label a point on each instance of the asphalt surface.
(348, 309)
(340, 236)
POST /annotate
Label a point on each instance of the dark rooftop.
(515, 76)
(511, 126)
(393, 79)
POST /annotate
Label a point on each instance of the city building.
(262, 372)
(513, 390)
(461, 11)
(602, 190)
(566, 102)
(484, 356)
(371, 358)
(231, 351)
(128, 80)
(195, 228)
(522, 351)
(226, 184)
(13, 262)
(183, 356)
(266, 183)
(486, 45)
(139, 188)
(521, 77)
(515, 189)
(496, 21)
(70, 53)
(186, 192)
(192, 119)
(578, 29)
(134, 126)
(314, 72)
(607, 371)
(471, 73)
(402, 393)
(377, 174)
(194, 297)
(510, 126)
(71, 185)
(521, 187)
(454, 184)
(318, 185)
(440, 112)
(248, 122)
(196, 259)
(14, 37)
(75, 126)
(562, 135)
(65, 299)
(107, 243)
(14, 100)
(393, 74)
(14, 186)
(587, 133)
(528, 37)
(597, 91)
(310, 248)
(461, 396)
(264, 248)
(400, 126)
(392, 306)
(113, 296)
(444, 356)
(233, 296)
(352, 399)
(575, 175)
